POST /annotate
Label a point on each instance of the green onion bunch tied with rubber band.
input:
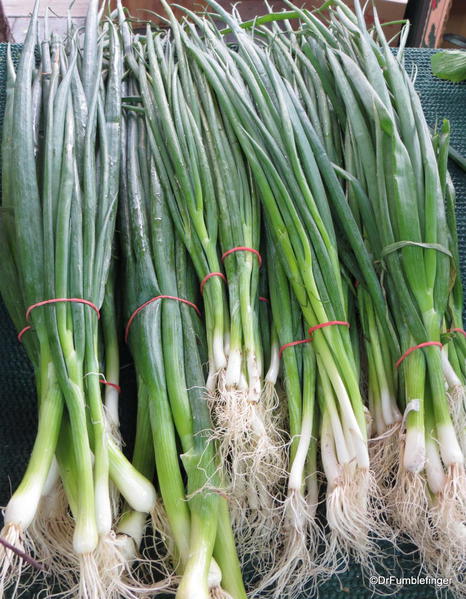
(62, 124)
(195, 217)
(413, 236)
(294, 63)
(297, 556)
(246, 414)
(168, 347)
(215, 210)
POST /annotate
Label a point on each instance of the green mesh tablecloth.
(17, 398)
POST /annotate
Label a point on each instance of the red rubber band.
(311, 330)
(210, 275)
(264, 299)
(462, 331)
(411, 349)
(19, 336)
(57, 300)
(154, 299)
(330, 323)
(291, 344)
(243, 249)
(114, 385)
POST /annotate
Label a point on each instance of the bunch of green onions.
(216, 213)
(62, 124)
(406, 207)
(168, 347)
(285, 271)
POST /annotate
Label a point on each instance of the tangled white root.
(77, 575)
(297, 566)
(408, 511)
(116, 571)
(408, 507)
(100, 574)
(218, 593)
(248, 437)
(253, 454)
(52, 531)
(138, 571)
(384, 453)
(114, 568)
(275, 399)
(355, 516)
(104, 574)
(161, 545)
(15, 571)
(436, 526)
(446, 556)
(457, 403)
(256, 524)
(90, 584)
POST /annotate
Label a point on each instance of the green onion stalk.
(202, 465)
(111, 355)
(292, 63)
(190, 152)
(382, 392)
(132, 525)
(454, 338)
(141, 285)
(271, 344)
(295, 558)
(282, 148)
(193, 205)
(53, 524)
(61, 237)
(109, 370)
(239, 226)
(271, 347)
(120, 576)
(269, 339)
(380, 353)
(182, 163)
(164, 343)
(391, 139)
(25, 502)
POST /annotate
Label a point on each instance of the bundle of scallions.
(260, 211)
(62, 125)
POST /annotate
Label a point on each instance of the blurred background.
(435, 23)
